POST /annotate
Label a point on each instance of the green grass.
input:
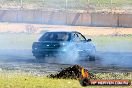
(73, 5)
(113, 43)
(76, 4)
(109, 1)
(28, 81)
(38, 82)
(83, 1)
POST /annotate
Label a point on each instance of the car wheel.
(40, 58)
(91, 58)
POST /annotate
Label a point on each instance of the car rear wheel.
(91, 58)
(40, 58)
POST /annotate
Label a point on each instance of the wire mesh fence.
(68, 5)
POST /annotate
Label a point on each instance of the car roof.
(65, 31)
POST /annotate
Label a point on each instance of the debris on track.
(73, 72)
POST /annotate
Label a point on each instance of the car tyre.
(92, 58)
(40, 58)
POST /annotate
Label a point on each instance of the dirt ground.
(22, 27)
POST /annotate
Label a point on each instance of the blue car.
(64, 44)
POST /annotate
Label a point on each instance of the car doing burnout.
(64, 44)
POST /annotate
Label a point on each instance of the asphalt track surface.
(22, 60)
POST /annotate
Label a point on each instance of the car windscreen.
(55, 36)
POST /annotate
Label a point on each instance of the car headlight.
(35, 48)
(63, 44)
(80, 50)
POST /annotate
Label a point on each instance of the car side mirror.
(89, 40)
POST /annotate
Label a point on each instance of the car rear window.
(55, 36)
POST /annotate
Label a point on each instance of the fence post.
(111, 1)
(21, 3)
(66, 2)
(43, 1)
(118, 20)
(88, 1)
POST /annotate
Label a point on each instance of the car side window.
(74, 37)
(81, 37)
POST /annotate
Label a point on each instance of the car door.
(84, 45)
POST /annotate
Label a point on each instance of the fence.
(66, 18)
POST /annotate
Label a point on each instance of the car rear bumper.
(47, 52)
(58, 53)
